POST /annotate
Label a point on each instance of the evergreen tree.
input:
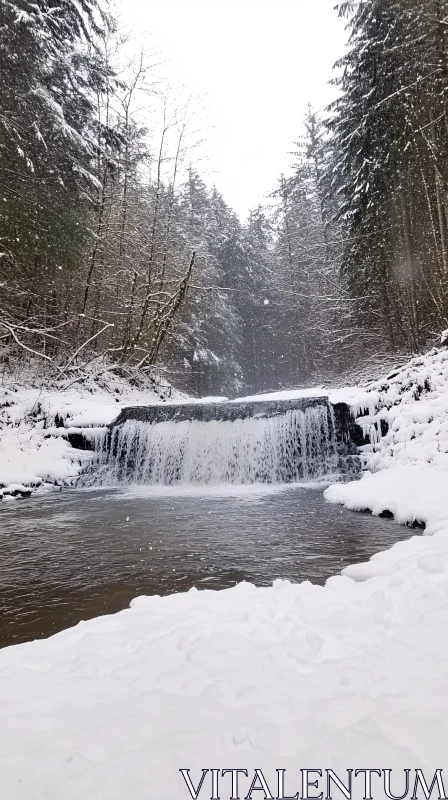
(390, 166)
(49, 65)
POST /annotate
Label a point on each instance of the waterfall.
(297, 445)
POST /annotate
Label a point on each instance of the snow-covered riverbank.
(35, 424)
(409, 466)
(293, 676)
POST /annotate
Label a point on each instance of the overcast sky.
(258, 63)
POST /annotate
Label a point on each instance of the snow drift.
(408, 467)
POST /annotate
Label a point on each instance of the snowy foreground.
(351, 675)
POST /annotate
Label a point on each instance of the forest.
(115, 250)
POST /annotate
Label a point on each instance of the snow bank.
(293, 676)
(409, 465)
(35, 423)
(30, 459)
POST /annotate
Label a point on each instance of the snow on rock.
(196, 400)
(34, 424)
(287, 394)
(360, 400)
(413, 403)
(31, 459)
(409, 465)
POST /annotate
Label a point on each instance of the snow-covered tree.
(390, 170)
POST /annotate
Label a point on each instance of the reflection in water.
(74, 555)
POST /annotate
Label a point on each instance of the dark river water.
(72, 555)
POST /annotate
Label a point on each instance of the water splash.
(298, 445)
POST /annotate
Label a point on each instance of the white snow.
(409, 466)
(30, 459)
(195, 400)
(357, 398)
(287, 394)
(293, 676)
(34, 450)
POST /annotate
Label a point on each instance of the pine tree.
(390, 167)
(49, 65)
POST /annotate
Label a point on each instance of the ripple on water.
(72, 555)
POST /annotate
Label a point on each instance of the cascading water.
(297, 445)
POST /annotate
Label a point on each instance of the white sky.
(257, 63)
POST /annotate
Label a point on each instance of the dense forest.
(114, 249)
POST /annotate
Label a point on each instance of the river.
(72, 555)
